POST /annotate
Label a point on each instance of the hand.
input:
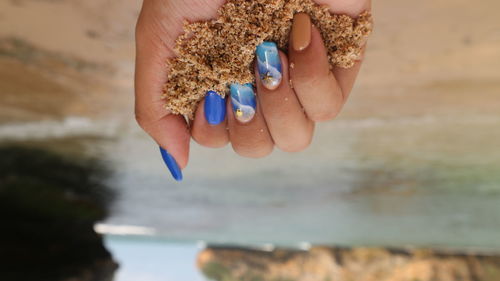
(280, 114)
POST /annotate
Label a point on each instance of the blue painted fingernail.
(172, 165)
(243, 101)
(269, 65)
(215, 108)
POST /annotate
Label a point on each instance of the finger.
(347, 76)
(313, 82)
(169, 131)
(351, 8)
(171, 134)
(248, 131)
(210, 125)
(290, 128)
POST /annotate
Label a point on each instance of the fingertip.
(346, 77)
(284, 80)
(180, 152)
(182, 159)
(214, 108)
(257, 152)
(301, 32)
(209, 130)
(313, 81)
(172, 164)
(172, 134)
(269, 65)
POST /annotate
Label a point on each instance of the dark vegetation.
(48, 206)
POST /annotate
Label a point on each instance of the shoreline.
(302, 246)
(240, 263)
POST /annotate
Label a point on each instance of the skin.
(287, 125)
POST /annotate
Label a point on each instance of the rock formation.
(48, 206)
(344, 264)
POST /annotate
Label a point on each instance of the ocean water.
(147, 259)
(377, 182)
(363, 182)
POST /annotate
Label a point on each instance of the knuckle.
(211, 142)
(323, 115)
(298, 145)
(253, 152)
(308, 80)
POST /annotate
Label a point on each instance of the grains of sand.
(213, 54)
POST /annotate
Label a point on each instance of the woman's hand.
(293, 91)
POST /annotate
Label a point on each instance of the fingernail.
(172, 165)
(244, 102)
(215, 108)
(301, 32)
(269, 65)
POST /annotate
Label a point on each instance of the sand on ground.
(75, 57)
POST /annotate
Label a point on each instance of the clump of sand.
(212, 54)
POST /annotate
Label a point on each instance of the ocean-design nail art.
(269, 65)
(244, 102)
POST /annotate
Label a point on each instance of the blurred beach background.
(412, 161)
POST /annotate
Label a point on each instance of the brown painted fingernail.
(301, 32)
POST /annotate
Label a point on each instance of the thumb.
(168, 130)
